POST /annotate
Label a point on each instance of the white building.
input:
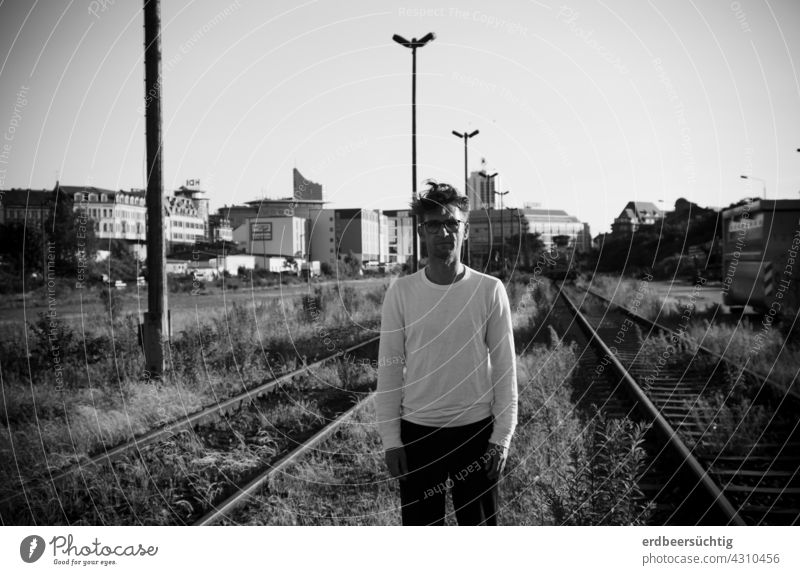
(400, 236)
(183, 224)
(358, 232)
(232, 262)
(272, 237)
(383, 238)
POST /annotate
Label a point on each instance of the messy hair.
(438, 195)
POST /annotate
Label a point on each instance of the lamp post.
(413, 45)
(466, 136)
(763, 183)
(502, 236)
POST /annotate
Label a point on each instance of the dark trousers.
(447, 457)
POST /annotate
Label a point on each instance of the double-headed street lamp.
(413, 45)
(763, 182)
(466, 136)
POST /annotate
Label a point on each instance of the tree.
(524, 249)
(561, 241)
(69, 236)
(352, 265)
(21, 244)
(121, 263)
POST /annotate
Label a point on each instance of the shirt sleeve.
(500, 341)
(391, 360)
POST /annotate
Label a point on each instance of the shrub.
(601, 482)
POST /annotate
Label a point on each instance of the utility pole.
(155, 320)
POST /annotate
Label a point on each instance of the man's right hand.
(396, 462)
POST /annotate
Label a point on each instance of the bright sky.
(581, 106)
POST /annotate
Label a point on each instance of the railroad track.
(204, 418)
(224, 509)
(723, 444)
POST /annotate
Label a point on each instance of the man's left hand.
(495, 461)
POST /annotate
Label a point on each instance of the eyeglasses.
(434, 226)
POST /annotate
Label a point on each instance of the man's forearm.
(504, 411)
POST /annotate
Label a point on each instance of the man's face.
(445, 242)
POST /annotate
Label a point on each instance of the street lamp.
(763, 182)
(502, 236)
(466, 137)
(413, 45)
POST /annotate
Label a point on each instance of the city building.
(400, 236)
(634, 216)
(383, 239)
(551, 223)
(486, 227)
(481, 189)
(306, 200)
(358, 233)
(219, 229)
(231, 263)
(183, 224)
(25, 206)
(282, 236)
(200, 200)
(305, 189)
(117, 215)
(322, 236)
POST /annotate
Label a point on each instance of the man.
(447, 390)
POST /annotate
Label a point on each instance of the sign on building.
(261, 231)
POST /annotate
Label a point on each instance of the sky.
(581, 106)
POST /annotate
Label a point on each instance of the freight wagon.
(760, 249)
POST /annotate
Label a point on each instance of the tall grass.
(104, 400)
(632, 294)
(553, 456)
(764, 351)
(552, 461)
(729, 425)
(175, 481)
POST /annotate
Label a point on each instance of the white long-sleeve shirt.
(446, 356)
